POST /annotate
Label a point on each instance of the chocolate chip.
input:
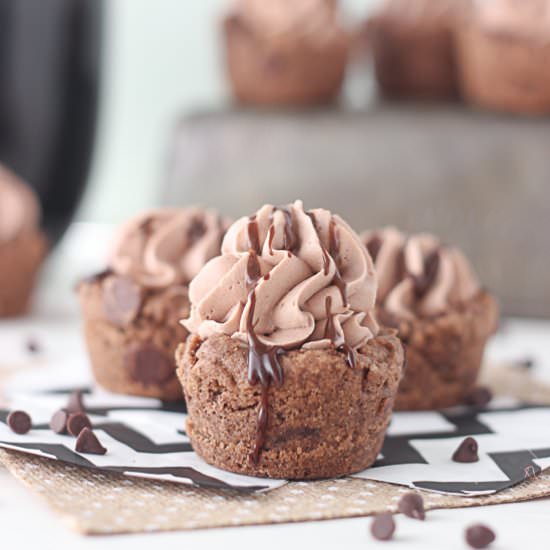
(75, 403)
(19, 422)
(466, 451)
(479, 536)
(58, 422)
(121, 300)
(479, 397)
(383, 526)
(87, 442)
(33, 346)
(412, 505)
(149, 365)
(77, 422)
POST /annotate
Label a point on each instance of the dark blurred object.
(49, 70)
(412, 46)
(477, 180)
(285, 52)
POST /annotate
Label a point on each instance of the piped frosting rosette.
(293, 278)
(418, 276)
(167, 246)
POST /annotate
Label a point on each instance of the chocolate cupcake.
(23, 245)
(517, 31)
(286, 374)
(132, 310)
(285, 52)
(429, 292)
(412, 44)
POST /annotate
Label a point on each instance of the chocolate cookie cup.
(412, 45)
(429, 293)
(517, 31)
(285, 52)
(286, 374)
(132, 310)
(23, 246)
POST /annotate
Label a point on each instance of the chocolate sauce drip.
(253, 235)
(253, 270)
(423, 282)
(196, 230)
(263, 367)
(263, 359)
(271, 236)
(334, 251)
(290, 236)
(330, 334)
(374, 245)
(326, 255)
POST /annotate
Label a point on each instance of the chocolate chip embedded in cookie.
(149, 365)
(121, 300)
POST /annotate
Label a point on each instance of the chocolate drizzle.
(423, 282)
(338, 340)
(290, 237)
(263, 359)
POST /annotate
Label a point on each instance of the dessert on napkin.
(286, 373)
(131, 310)
(429, 292)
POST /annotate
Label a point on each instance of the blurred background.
(111, 107)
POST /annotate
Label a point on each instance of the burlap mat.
(99, 503)
(94, 502)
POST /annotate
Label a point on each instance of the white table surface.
(26, 522)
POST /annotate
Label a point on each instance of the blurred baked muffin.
(23, 245)
(132, 310)
(412, 45)
(285, 52)
(429, 292)
(503, 50)
(286, 374)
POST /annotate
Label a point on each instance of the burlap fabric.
(100, 503)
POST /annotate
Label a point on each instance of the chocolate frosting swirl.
(418, 276)
(289, 278)
(167, 246)
(19, 207)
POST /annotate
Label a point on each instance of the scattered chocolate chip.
(87, 442)
(77, 422)
(75, 403)
(383, 526)
(479, 397)
(122, 300)
(19, 422)
(149, 365)
(412, 505)
(58, 422)
(479, 536)
(33, 346)
(466, 451)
